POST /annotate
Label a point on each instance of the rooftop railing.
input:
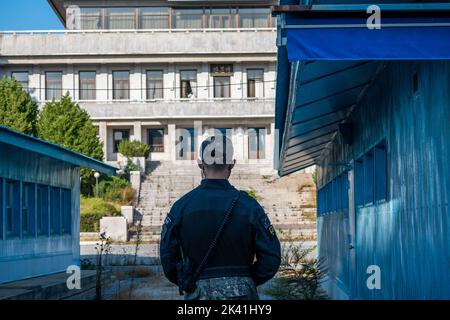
(134, 31)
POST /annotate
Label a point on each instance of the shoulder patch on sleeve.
(268, 226)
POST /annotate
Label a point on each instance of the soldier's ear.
(231, 166)
(200, 164)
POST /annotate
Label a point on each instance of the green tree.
(17, 110)
(67, 124)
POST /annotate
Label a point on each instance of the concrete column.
(137, 131)
(170, 83)
(237, 90)
(171, 132)
(103, 135)
(245, 144)
(68, 81)
(270, 140)
(102, 83)
(35, 82)
(239, 144)
(198, 130)
(203, 82)
(136, 83)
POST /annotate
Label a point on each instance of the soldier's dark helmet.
(217, 151)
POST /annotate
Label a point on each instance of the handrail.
(151, 101)
(135, 31)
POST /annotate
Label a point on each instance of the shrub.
(128, 194)
(92, 210)
(111, 189)
(133, 148)
(252, 194)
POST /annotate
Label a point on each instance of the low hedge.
(92, 210)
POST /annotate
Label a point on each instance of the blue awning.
(403, 38)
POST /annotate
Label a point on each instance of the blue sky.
(28, 15)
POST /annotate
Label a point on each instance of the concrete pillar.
(170, 83)
(245, 137)
(103, 135)
(239, 144)
(34, 83)
(136, 83)
(171, 132)
(68, 81)
(137, 131)
(102, 84)
(198, 131)
(270, 140)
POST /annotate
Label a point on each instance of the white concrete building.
(158, 70)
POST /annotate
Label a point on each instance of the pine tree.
(17, 110)
(67, 124)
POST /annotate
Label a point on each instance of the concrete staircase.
(292, 213)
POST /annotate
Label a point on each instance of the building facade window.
(53, 85)
(12, 208)
(221, 18)
(87, 85)
(22, 78)
(188, 84)
(256, 143)
(188, 18)
(121, 85)
(371, 176)
(90, 19)
(154, 18)
(118, 136)
(254, 17)
(121, 18)
(42, 210)
(156, 140)
(28, 209)
(155, 83)
(221, 79)
(255, 83)
(222, 87)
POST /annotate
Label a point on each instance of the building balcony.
(180, 109)
(143, 46)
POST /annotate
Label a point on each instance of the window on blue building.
(66, 211)
(55, 211)
(1, 209)
(12, 208)
(368, 178)
(359, 183)
(380, 160)
(28, 209)
(43, 212)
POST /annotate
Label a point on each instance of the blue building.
(39, 205)
(371, 109)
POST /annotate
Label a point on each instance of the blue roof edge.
(53, 150)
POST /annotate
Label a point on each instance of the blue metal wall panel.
(407, 236)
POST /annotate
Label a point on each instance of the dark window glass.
(256, 143)
(221, 18)
(28, 209)
(2, 206)
(55, 211)
(121, 85)
(185, 144)
(66, 215)
(87, 85)
(43, 210)
(156, 140)
(380, 160)
(368, 178)
(155, 84)
(188, 83)
(359, 183)
(53, 85)
(12, 208)
(119, 135)
(255, 83)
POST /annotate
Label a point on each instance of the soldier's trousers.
(224, 288)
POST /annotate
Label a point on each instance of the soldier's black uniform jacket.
(248, 245)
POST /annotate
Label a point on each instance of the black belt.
(229, 271)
